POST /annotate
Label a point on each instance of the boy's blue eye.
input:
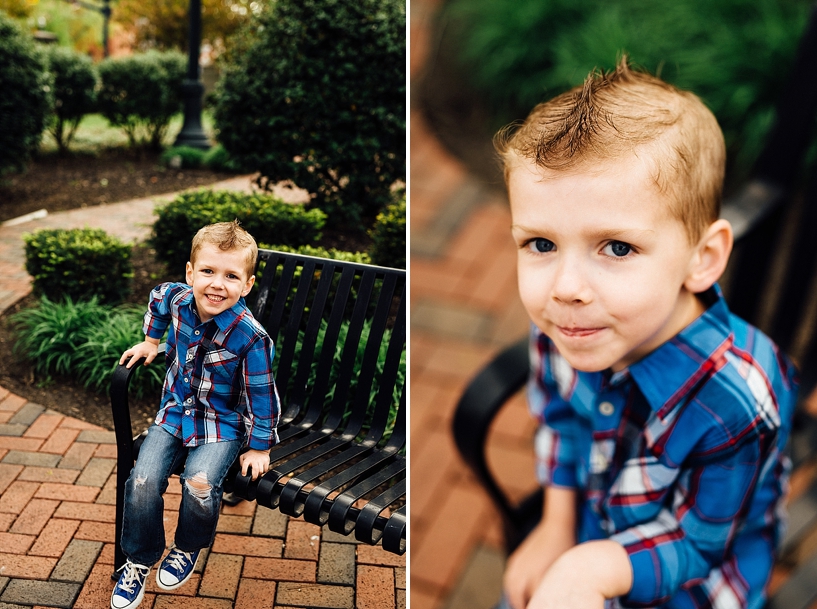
(617, 249)
(543, 245)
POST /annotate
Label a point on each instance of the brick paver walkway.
(464, 308)
(57, 495)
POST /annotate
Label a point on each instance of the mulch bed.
(59, 183)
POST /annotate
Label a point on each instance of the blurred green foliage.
(140, 93)
(389, 235)
(78, 263)
(316, 94)
(265, 217)
(25, 94)
(734, 54)
(74, 92)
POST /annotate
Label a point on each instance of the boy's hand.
(257, 459)
(584, 577)
(528, 564)
(147, 349)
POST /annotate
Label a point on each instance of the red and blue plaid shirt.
(680, 457)
(219, 384)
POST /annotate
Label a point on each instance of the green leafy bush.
(219, 159)
(25, 95)
(266, 218)
(185, 157)
(322, 252)
(389, 236)
(79, 263)
(74, 92)
(735, 55)
(141, 93)
(83, 340)
(318, 96)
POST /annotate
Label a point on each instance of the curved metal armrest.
(479, 404)
(124, 442)
(751, 205)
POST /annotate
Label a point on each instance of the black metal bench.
(770, 282)
(339, 330)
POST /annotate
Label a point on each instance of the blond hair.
(227, 236)
(623, 112)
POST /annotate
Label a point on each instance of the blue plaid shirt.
(680, 457)
(219, 384)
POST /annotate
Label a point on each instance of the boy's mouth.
(575, 332)
(214, 299)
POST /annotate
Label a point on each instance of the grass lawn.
(95, 133)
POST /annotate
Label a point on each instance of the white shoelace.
(178, 559)
(133, 574)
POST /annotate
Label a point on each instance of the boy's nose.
(570, 283)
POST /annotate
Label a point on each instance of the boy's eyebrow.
(600, 234)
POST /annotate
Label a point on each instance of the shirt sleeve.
(696, 529)
(158, 316)
(260, 395)
(555, 442)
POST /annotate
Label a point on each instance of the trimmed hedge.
(79, 263)
(318, 96)
(389, 236)
(74, 92)
(141, 93)
(25, 94)
(266, 218)
(322, 252)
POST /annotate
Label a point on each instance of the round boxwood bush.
(733, 54)
(79, 264)
(265, 217)
(141, 93)
(389, 236)
(74, 92)
(318, 96)
(25, 94)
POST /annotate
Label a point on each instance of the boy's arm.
(147, 349)
(157, 319)
(553, 536)
(260, 395)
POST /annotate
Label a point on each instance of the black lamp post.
(192, 133)
(105, 11)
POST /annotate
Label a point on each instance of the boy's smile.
(602, 262)
(219, 278)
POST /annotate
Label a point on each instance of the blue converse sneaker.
(130, 589)
(176, 568)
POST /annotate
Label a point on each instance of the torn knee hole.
(198, 486)
(140, 480)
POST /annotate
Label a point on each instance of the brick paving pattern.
(57, 501)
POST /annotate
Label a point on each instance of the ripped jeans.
(143, 531)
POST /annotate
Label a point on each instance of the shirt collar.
(667, 375)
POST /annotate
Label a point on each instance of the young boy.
(219, 394)
(663, 416)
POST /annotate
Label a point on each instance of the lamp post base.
(192, 133)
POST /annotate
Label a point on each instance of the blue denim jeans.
(143, 532)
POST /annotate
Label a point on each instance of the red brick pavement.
(57, 530)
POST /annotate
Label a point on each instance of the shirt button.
(186, 380)
(197, 332)
(606, 408)
(187, 412)
(188, 401)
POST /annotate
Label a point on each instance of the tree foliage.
(74, 92)
(318, 96)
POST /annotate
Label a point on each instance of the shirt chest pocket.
(221, 365)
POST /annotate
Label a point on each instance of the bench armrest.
(483, 398)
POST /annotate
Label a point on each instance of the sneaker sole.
(174, 586)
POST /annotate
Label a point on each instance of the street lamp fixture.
(192, 133)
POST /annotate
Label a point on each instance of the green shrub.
(219, 159)
(266, 218)
(79, 263)
(83, 340)
(322, 252)
(74, 92)
(734, 55)
(185, 157)
(389, 236)
(141, 93)
(25, 95)
(318, 97)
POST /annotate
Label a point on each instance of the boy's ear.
(248, 286)
(711, 256)
(188, 273)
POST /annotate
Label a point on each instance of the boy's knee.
(198, 486)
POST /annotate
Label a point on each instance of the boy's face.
(219, 278)
(602, 262)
